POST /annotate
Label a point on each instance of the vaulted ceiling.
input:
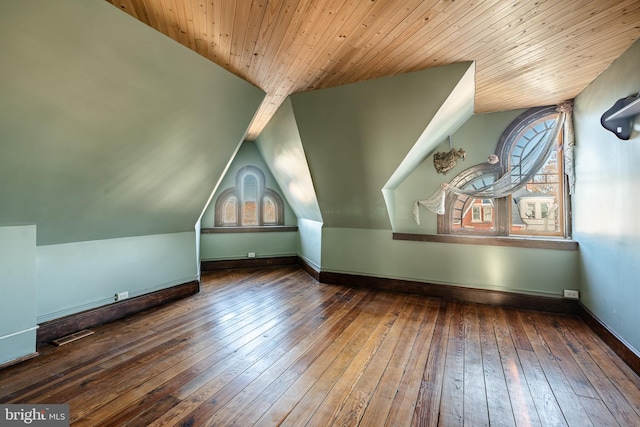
(527, 53)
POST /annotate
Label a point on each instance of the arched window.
(538, 209)
(272, 208)
(249, 191)
(249, 203)
(230, 211)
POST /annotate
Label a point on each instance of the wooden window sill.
(262, 229)
(510, 241)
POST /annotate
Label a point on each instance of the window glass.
(250, 188)
(537, 209)
(249, 202)
(543, 198)
(531, 210)
(476, 214)
(467, 213)
(488, 213)
(269, 211)
(230, 211)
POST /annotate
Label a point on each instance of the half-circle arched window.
(538, 209)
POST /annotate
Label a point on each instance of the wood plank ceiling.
(527, 53)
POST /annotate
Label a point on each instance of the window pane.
(467, 215)
(544, 210)
(250, 188)
(539, 202)
(476, 214)
(230, 212)
(537, 207)
(249, 214)
(530, 212)
(250, 197)
(269, 211)
(488, 214)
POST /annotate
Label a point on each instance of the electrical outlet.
(122, 295)
(568, 293)
(251, 254)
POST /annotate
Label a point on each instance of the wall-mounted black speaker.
(619, 118)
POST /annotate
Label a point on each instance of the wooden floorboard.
(272, 346)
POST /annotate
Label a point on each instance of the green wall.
(222, 246)
(281, 147)
(113, 137)
(72, 277)
(356, 136)
(219, 246)
(109, 128)
(18, 287)
(374, 252)
(606, 202)
(310, 242)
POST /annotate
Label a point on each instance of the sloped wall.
(281, 147)
(355, 137)
(113, 136)
(109, 128)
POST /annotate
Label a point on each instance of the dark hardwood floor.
(274, 347)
